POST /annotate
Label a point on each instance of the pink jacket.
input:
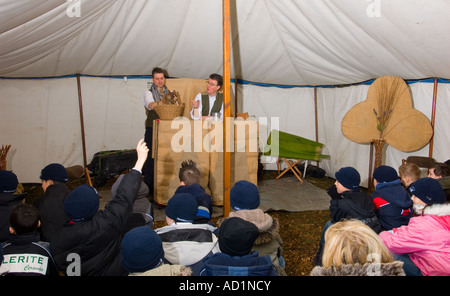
(426, 239)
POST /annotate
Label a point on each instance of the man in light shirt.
(205, 104)
(151, 98)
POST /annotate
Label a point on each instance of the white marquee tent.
(286, 56)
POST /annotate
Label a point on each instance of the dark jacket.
(393, 204)
(26, 255)
(204, 201)
(221, 264)
(97, 241)
(7, 202)
(51, 210)
(353, 205)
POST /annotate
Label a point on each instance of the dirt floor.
(300, 231)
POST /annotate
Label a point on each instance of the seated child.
(143, 255)
(51, 205)
(441, 172)
(186, 243)
(236, 238)
(189, 176)
(96, 235)
(348, 202)
(24, 253)
(244, 200)
(408, 173)
(8, 199)
(424, 244)
(353, 248)
(393, 204)
(142, 208)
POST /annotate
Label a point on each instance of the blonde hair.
(410, 170)
(352, 241)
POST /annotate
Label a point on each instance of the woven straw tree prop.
(387, 116)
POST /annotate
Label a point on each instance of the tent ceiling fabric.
(278, 42)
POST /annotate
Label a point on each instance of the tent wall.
(295, 108)
(40, 118)
(293, 42)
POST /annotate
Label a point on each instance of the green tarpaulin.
(281, 144)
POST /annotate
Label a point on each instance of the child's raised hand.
(142, 152)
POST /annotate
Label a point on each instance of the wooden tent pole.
(316, 123)
(235, 97)
(83, 139)
(433, 116)
(227, 108)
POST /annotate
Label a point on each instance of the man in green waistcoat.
(151, 98)
(205, 104)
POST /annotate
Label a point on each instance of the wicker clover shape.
(388, 113)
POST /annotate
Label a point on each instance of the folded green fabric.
(281, 144)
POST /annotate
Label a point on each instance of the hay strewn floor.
(300, 231)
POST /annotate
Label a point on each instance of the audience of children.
(393, 204)
(353, 248)
(246, 243)
(245, 200)
(8, 199)
(189, 176)
(236, 239)
(51, 205)
(96, 235)
(424, 244)
(348, 202)
(184, 242)
(24, 253)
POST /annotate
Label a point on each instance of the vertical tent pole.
(316, 123)
(227, 108)
(80, 104)
(235, 97)
(433, 116)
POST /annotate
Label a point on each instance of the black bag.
(106, 164)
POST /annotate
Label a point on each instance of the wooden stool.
(291, 166)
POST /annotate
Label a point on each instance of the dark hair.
(24, 218)
(217, 78)
(189, 173)
(441, 169)
(158, 70)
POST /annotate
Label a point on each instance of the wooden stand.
(291, 166)
(379, 144)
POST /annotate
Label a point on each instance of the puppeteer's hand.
(142, 152)
(195, 104)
